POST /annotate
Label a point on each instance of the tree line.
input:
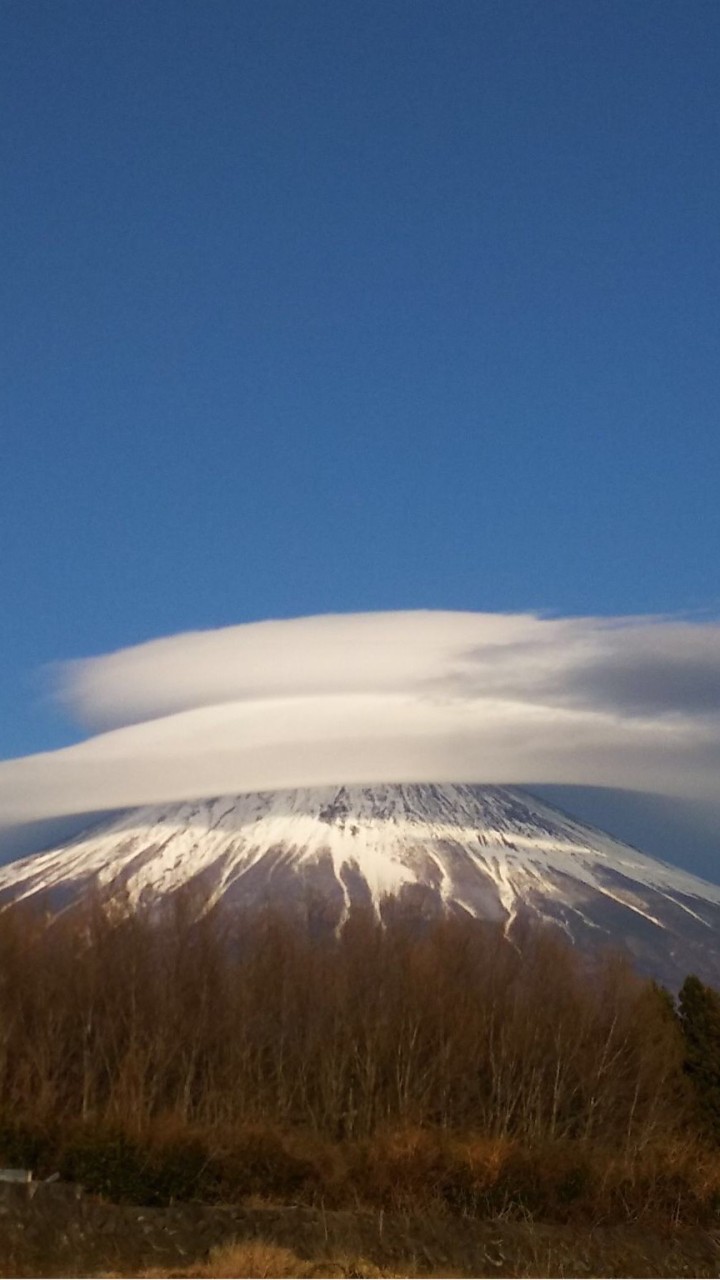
(116, 1026)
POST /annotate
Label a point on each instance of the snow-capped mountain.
(490, 852)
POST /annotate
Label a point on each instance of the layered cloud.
(627, 702)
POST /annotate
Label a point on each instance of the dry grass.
(261, 1259)
(248, 1258)
(257, 1258)
(524, 1252)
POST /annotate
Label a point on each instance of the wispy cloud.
(397, 696)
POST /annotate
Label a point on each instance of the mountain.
(494, 853)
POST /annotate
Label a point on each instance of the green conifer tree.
(699, 1009)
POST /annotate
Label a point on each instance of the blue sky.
(329, 306)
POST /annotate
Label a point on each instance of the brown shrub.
(256, 1258)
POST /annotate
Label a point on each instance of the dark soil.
(56, 1230)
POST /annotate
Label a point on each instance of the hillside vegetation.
(389, 1067)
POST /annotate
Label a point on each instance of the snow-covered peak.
(490, 852)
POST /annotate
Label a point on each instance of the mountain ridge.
(493, 853)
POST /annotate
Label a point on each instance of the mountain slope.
(493, 853)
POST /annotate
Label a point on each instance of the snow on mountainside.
(491, 852)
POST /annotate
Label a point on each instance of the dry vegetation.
(249, 1258)
(531, 1252)
(392, 1068)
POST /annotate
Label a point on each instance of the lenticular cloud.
(403, 697)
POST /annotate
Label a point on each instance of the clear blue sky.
(327, 305)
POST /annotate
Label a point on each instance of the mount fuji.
(493, 853)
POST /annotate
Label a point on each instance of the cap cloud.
(407, 696)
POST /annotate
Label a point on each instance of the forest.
(154, 1059)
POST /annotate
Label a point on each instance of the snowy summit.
(492, 853)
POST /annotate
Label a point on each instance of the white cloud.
(396, 697)
(334, 654)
